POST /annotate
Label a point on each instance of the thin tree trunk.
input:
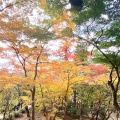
(6, 107)
(27, 110)
(33, 103)
(74, 99)
(66, 95)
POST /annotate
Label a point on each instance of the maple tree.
(17, 35)
(65, 50)
(104, 36)
(57, 86)
(30, 58)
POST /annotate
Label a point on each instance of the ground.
(39, 116)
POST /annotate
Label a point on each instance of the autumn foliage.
(48, 85)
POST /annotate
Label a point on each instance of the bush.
(22, 110)
(17, 114)
(7, 117)
(75, 112)
(72, 110)
(102, 113)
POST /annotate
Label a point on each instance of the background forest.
(60, 59)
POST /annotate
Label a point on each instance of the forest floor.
(40, 116)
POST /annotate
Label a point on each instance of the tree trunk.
(33, 103)
(65, 113)
(6, 107)
(115, 103)
(27, 110)
(113, 88)
(74, 99)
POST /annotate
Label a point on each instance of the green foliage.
(82, 52)
(40, 33)
(102, 113)
(67, 32)
(22, 110)
(73, 110)
(111, 37)
(53, 8)
(8, 98)
(114, 31)
(87, 98)
(109, 44)
(93, 9)
(9, 117)
(17, 114)
(111, 56)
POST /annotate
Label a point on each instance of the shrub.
(102, 113)
(22, 110)
(7, 117)
(17, 114)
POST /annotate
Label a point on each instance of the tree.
(65, 50)
(68, 76)
(82, 52)
(91, 101)
(15, 32)
(30, 58)
(106, 41)
(111, 58)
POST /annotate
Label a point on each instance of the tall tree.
(25, 40)
(105, 38)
